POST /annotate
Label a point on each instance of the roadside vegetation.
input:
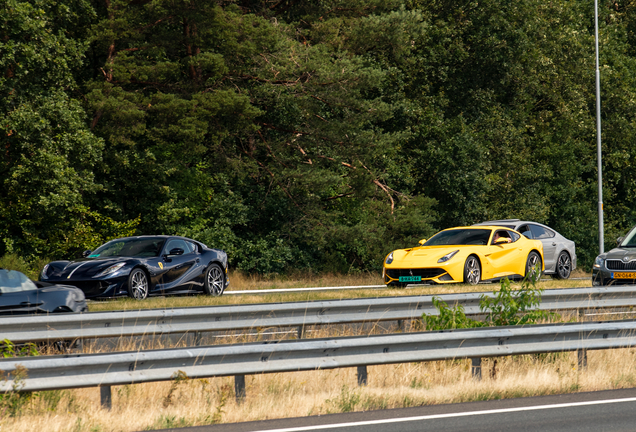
(309, 135)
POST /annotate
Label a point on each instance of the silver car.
(559, 253)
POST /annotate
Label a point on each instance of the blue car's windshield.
(630, 239)
(132, 247)
(457, 237)
(14, 281)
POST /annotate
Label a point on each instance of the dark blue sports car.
(143, 266)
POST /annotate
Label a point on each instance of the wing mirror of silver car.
(619, 241)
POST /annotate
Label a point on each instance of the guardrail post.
(301, 332)
(105, 397)
(197, 338)
(400, 324)
(476, 368)
(239, 388)
(362, 376)
(582, 358)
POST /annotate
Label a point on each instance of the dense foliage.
(313, 135)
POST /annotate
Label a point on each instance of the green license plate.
(410, 278)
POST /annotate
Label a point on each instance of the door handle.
(553, 244)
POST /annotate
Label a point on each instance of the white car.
(559, 253)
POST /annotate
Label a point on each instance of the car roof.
(160, 236)
(477, 226)
(510, 221)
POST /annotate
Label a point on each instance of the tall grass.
(190, 402)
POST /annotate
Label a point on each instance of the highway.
(609, 411)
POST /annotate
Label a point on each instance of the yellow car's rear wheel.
(472, 270)
(533, 266)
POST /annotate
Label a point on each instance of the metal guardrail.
(105, 370)
(296, 314)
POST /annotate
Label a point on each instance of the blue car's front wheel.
(138, 285)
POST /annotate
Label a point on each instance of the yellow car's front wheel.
(472, 270)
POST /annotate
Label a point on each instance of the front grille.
(426, 273)
(614, 264)
(90, 288)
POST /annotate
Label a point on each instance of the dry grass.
(206, 401)
(241, 282)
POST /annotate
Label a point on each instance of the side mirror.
(86, 253)
(176, 251)
(502, 240)
(422, 242)
(619, 241)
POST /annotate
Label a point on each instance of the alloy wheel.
(531, 266)
(473, 271)
(215, 281)
(139, 285)
(564, 266)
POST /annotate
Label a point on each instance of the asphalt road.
(609, 411)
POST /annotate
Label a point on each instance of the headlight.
(389, 258)
(110, 270)
(77, 296)
(598, 263)
(447, 256)
(44, 271)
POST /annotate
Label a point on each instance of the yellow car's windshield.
(458, 237)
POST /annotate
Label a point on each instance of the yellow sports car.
(464, 254)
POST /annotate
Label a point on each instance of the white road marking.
(449, 415)
(287, 290)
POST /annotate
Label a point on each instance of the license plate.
(410, 278)
(623, 275)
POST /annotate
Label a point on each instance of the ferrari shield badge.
(160, 265)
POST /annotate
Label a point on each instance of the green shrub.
(508, 307)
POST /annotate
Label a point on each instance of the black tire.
(214, 283)
(533, 259)
(563, 266)
(472, 270)
(138, 284)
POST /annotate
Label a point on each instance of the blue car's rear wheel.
(138, 285)
(214, 280)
